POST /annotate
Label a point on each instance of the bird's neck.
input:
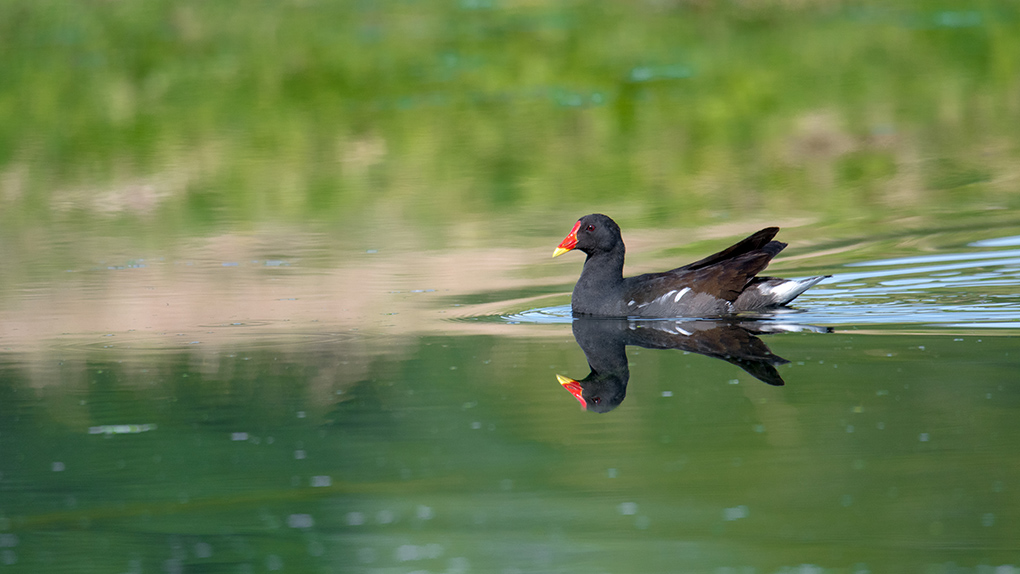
(603, 267)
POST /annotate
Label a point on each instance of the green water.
(276, 292)
(888, 452)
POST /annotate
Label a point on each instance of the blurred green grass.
(193, 115)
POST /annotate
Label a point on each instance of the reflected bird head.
(597, 393)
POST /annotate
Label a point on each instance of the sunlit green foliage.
(205, 112)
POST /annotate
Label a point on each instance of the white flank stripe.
(661, 299)
(681, 294)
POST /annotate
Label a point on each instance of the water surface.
(243, 404)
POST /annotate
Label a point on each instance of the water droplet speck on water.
(424, 512)
(300, 521)
(736, 513)
(321, 481)
(239, 436)
(300, 454)
(385, 516)
(355, 518)
(667, 393)
(627, 508)
(734, 382)
(612, 473)
(923, 437)
(57, 467)
(406, 552)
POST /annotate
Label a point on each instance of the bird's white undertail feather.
(773, 292)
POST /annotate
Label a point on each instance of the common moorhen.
(720, 284)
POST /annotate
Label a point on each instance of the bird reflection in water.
(604, 343)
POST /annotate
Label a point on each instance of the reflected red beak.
(574, 387)
(569, 242)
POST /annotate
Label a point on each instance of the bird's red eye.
(596, 400)
(590, 228)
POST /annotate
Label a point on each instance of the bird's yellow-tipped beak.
(569, 242)
(574, 388)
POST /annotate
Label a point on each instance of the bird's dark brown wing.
(756, 241)
(725, 279)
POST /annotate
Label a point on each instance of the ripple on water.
(977, 290)
(557, 314)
